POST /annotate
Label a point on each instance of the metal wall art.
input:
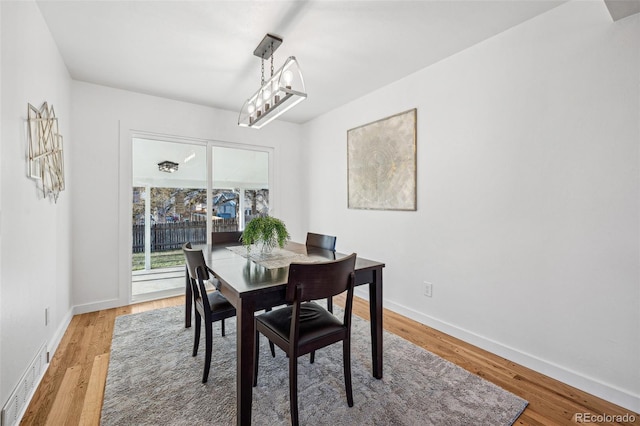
(381, 160)
(45, 154)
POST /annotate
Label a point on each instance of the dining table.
(254, 281)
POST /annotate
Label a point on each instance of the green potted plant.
(267, 231)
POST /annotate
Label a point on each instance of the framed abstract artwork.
(45, 156)
(381, 163)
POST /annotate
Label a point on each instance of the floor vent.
(17, 403)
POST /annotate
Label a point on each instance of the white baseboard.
(119, 302)
(19, 401)
(52, 346)
(580, 381)
(98, 306)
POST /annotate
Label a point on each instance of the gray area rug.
(154, 380)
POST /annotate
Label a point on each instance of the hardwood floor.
(72, 389)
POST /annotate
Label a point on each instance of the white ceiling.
(202, 51)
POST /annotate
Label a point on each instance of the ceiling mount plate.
(267, 46)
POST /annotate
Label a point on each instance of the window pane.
(175, 208)
(241, 179)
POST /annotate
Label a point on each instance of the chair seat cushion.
(218, 302)
(315, 322)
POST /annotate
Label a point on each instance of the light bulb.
(276, 91)
(266, 94)
(287, 76)
(259, 102)
(251, 108)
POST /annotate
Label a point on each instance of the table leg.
(375, 312)
(245, 347)
(188, 299)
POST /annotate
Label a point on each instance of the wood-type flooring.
(71, 391)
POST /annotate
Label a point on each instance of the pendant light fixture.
(278, 93)
(168, 166)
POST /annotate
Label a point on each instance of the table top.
(245, 277)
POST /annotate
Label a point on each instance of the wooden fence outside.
(171, 236)
(225, 225)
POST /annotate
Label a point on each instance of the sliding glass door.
(182, 192)
(169, 209)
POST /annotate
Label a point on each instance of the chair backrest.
(313, 281)
(327, 242)
(194, 259)
(225, 237)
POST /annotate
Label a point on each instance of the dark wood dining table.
(251, 287)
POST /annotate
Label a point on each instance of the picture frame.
(381, 164)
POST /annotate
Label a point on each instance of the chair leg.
(256, 352)
(209, 343)
(271, 345)
(330, 309)
(346, 360)
(293, 388)
(196, 337)
(222, 326)
(312, 358)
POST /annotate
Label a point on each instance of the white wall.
(528, 182)
(104, 121)
(35, 247)
(2, 397)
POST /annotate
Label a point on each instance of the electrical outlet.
(428, 289)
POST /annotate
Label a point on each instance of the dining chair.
(212, 306)
(226, 237)
(326, 242)
(304, 326)
(217, 239)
